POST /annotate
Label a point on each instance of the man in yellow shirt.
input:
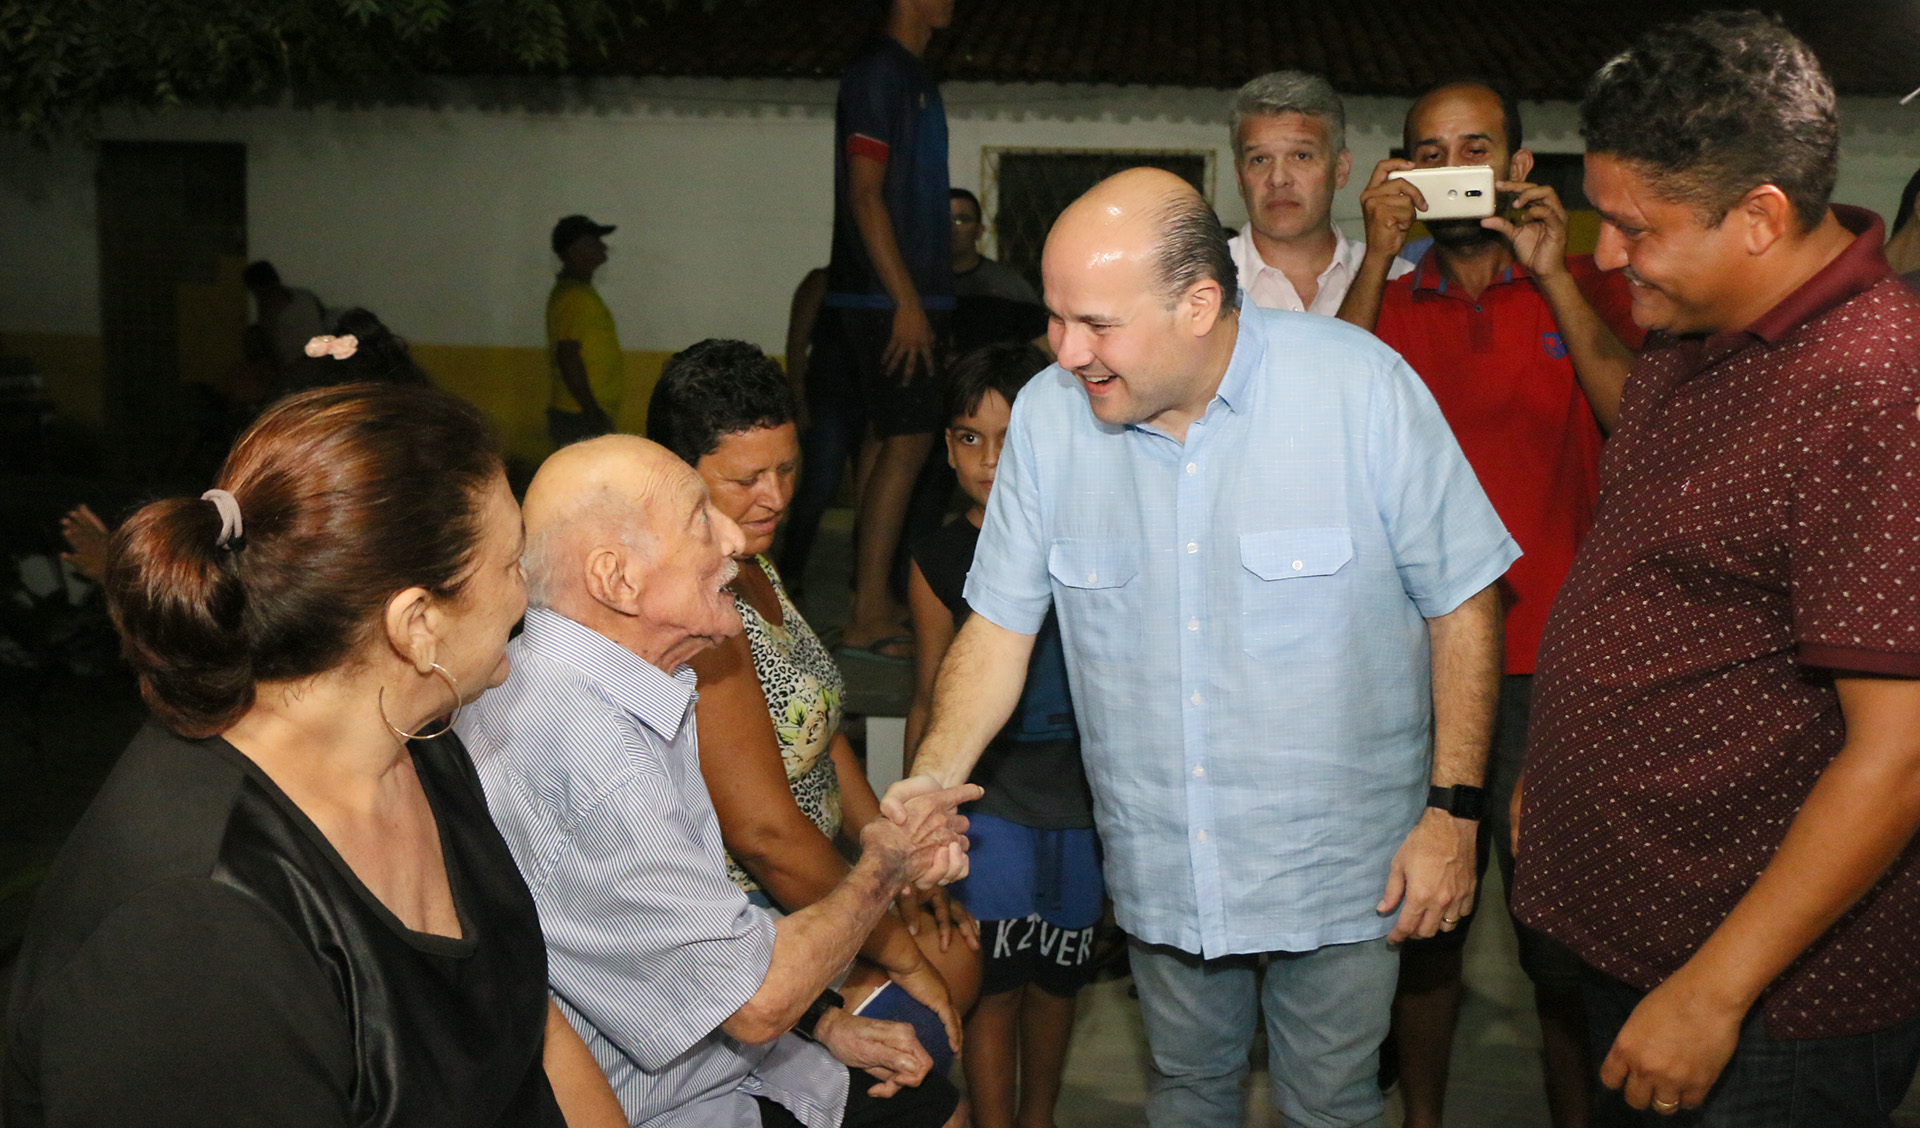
(582, 345)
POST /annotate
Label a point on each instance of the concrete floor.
(1496, 1081)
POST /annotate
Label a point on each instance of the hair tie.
(339, 348)
(229, 507)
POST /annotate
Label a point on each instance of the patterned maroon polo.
(1758, 529)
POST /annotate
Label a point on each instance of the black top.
(987, 319)
(200, 955)
(1031, 770)
(889, 110)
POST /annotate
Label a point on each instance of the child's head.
(980, 393)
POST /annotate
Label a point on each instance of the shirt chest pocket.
(1097, 594)
(1289, 580)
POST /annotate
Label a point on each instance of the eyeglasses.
(965, 221)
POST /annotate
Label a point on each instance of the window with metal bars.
(1027, 189)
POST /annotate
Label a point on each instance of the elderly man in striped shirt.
(701, 1008)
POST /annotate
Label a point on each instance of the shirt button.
(1299, 564)
(1192, 547)
(1203, 836)
(1195, 699)
(1193, 624)
(1192, 469)
(1093, 577)
(1199, 772)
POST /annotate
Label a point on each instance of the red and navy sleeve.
(872, 108)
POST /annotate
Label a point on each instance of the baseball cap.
(574, 226)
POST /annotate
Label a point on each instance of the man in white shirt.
(1290, 156)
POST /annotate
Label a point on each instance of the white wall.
(49, 242)
(437, 217)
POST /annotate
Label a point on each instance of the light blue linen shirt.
(1244, 619)
(591, 768)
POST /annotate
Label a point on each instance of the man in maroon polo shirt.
(1723, 777)
(1522, 348)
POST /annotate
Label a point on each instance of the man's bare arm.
(1433, 874)
(973, 695)
(802, 313)
(1468, 651)
(579, 1087)
(813, 945)
(1855, 822)
(573, 373)
(912, 341)
(1361, 306)
(1600, 360)
(1388, 210)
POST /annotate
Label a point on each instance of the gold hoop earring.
(458, 701)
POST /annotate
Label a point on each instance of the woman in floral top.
(785, 784)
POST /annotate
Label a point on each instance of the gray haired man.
(1290, 156)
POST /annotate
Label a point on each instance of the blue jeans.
(1326, 1013)
(1850, 1082)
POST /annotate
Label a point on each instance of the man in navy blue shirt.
(890, 284)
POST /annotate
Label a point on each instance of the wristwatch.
(1460, 801)
(810, 1018)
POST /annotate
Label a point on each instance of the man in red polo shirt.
(1723, 778)
(1521, 346)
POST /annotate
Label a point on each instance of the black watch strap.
(1460, 801)
(810, 1018)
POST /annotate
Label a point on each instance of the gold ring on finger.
(1665, 1106)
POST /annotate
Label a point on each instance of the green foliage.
(64, 61)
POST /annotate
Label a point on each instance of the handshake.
(921, 835)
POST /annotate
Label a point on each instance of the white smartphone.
(1456, 192)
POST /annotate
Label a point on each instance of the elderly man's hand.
(927, 846)
(1540, 238)
(888, 1051)
(1432, 877)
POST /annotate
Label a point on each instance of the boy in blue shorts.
(1035, 885)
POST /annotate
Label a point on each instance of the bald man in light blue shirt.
(1274, 573)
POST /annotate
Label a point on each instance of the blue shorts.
(1037, 895)
(892, 1003)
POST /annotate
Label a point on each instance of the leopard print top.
(803, 689)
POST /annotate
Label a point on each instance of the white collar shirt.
(1269, 287)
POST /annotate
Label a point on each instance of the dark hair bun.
(348, 495)
(168, 576)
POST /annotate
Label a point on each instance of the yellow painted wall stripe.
(509, 384)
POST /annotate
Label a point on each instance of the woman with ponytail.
(288, 904)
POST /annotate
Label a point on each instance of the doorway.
(173, 237)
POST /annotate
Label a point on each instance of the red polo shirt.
(1499, 369)
(1758, 529)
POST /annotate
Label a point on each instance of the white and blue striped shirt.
(589, 759)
